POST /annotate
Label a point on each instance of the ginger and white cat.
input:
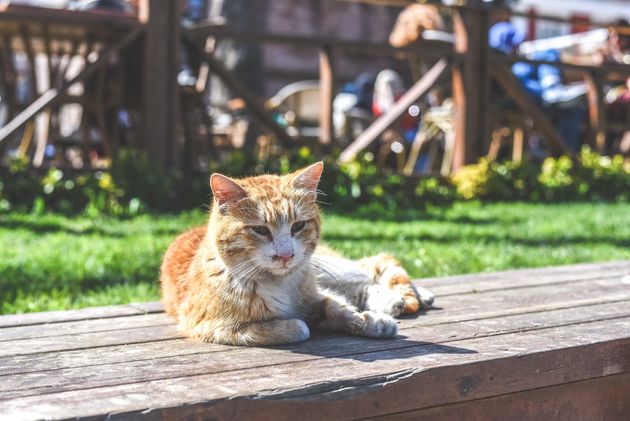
(255, 274)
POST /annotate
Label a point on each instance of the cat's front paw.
(378, 325)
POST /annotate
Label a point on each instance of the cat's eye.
(297, 227)
(261, 230)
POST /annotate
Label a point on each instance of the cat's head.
(267, 223)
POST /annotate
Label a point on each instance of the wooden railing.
(469, 60)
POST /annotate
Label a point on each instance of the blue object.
(544, 83)
(363, 88)
(504, 37)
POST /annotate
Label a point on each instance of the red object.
(580, 23)
(407, 121)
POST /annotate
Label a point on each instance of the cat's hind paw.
(425, 296)
(378, 325)
(384, 300)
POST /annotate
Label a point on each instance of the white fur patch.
(384, 300)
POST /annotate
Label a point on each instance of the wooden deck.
(550, 343)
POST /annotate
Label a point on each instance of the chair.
(297, 107)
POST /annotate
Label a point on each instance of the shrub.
(589, 177)
(137, 184)
(24, 188)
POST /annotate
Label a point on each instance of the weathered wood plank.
(81, 314)
(434, 333)
(88, 340)
(489, 304)
(604, 398)
(83, 326)
(485, 281)
(43, 375)
(377, 383)
(527, 281)
(542, 274)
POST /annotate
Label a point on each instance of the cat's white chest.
(280, 297)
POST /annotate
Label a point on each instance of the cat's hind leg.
(387, 272)
(263, 333)
(347, 278)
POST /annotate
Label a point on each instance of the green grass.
(52, 262)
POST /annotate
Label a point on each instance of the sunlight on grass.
(53, 262)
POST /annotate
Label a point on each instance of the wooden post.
(326, 88)
(161, 99)
(596, 111)
(471, 83)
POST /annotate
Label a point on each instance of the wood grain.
(74, 315)
(209, 358)
(499, 341)
(604, 398)
(377, 383)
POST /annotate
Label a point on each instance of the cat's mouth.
(282, 268)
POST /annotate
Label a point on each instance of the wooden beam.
(517, 93)
(326, 89)
(51, 95)
(239, 90)
(420, 88)
(428, 49)
(161, 91)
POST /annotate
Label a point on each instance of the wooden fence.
(472, 66)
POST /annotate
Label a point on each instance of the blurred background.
(460, 135)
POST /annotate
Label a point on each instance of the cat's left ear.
(308, 178)
(225, 190)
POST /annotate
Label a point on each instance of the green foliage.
(144, 180)
(602, 177)
(357, 186)
(135, 184)
(25, 189)
(589, 177)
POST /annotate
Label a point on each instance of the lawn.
(51, 262)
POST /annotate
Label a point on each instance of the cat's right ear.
(226, 190)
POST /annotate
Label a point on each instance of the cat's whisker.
(319, 264)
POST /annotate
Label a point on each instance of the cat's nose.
(284, 257)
